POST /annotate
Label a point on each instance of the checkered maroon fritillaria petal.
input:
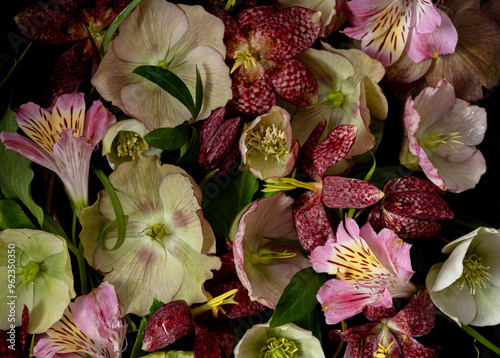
(377, 313)
(210, 125)
(294, 82)
(418, 204)
(211, 337)
(418, 317)
(311, 222)
(250, 17)
(286, 33)
(349, 193)
(404, 227)
(411, 183)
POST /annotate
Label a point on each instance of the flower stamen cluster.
(266, 256)
(268, 140)
(279, 348)
(474, 274)
(284, 184)
(433, 141)
(243, 57)
(127, 142)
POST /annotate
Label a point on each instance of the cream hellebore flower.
(41, 278)
(442, 132)
(267, 147)
(177, 38)
(348, 93)
(167, 245)
(123, 139)
(171, 354)
(466, 287)
(288, 340)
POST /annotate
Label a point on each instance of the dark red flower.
(12, 344)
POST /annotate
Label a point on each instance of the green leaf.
(154, 307)
(16, 174)
(199, 94)
(190, 150)
(298, 298)
(311, 323)
(225, 197)
(50, 225)
(121, 219)
(137, 351)
(4, 58)
(114, 25)
(169, 82)
(12, 216)
(168, 138)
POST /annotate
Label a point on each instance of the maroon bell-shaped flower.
(392, 335)
(410, 208)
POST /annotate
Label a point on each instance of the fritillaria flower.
(262, 42)
(21, 349)
(288, 340)
(466, 286)
(174, 37)
(411, 207)
(92, 325)
(43, 277)
(371, 269)
(267, 147)
(62, 139)
(442, 132)
(391, 335)
(387, 28)
(264, 263)
(166, 251)
(124, 138)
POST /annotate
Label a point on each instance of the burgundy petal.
(407, 227)
(421, 205)
(294, 82)
(348, 193)
(418, 317)
(210, 338)
(210, 125)
(226, 269)
(311, 222)
(249, 18)
(413, 349)
(411, 183)
(286, 33)
(106, 11)
(377, 313)
(334, 147)
(252, 91)
(169, 323)
(354, 333)
(307, 152)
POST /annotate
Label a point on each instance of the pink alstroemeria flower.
(62, 140)
(392, 334)
(91, 325)
(371, 269)
(387, 28)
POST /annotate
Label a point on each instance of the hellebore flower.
(62, 140)
(466, 286)
(264, 263)
(311, 222)
(219, 142)
(387, 28)
(90, 326)
(410, 208)
(61, 23)
(288, 340)
(170, 354)
(177, 38)
(267, 147)
(167, 245)
(442, 132)
(371, 269)
(392, 335)
(43, 277)
(265, 41)
(21, 350)
(124, 138)
(348, 93)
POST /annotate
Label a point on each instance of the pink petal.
(426, 17)
(320, 258)
(294, 82)
(348, 193)
(69, 112)
(97, 122)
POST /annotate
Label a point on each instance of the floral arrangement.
(261, 178)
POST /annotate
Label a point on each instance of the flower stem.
(79, 257)
(16, 62)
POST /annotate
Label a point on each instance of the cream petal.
(452, 269)
(434, 103)
(487, 302)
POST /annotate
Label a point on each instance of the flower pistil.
(127, 142)
(279, 348)
(474, 274)
(242, 56)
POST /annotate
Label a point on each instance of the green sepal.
(136, 350)
(154, 307)
(190, 150)
(12, 216)
(168, 138)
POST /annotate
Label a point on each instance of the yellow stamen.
(266, 256)
(383, 352)
(229, 4)
(213, 303)
(283, 184)
(245, 57)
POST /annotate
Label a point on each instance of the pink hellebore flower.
(62, 139)
(442, 132)
(392, 335)
(371, 268)
(386, 28)
(91, 325)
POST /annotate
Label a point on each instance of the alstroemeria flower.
(348, 93)
(43, 277)
(124, 138)
(411, 207)
(263, 263)
(466, 287)
(262, 43)
(177, 38)
(167, 245)
(90, 326)
(21, 350)
(371, 269)
(311, 222)
(267, 147)
(288, 340)
(59, 23)
(442, 132)
(62, 140)
(392, 335)
(387, 28)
